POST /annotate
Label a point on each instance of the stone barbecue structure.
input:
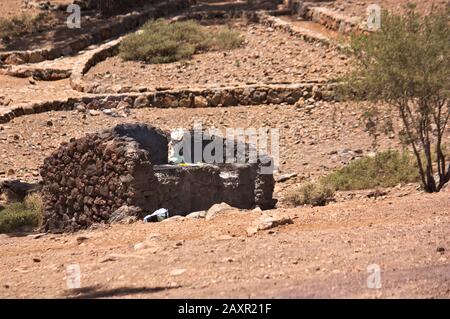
(90, 179)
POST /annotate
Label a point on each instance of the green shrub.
(24, 214)
(162, 42)
(315, 194)
(386, 169)
(22, 24)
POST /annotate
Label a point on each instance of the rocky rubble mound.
(89, 178)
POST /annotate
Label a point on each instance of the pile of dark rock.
(125, 171)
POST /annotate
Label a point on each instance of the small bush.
(386, 169)
(315, 194)
(24, 214)
(225, 40)
(162, 42)
(22, 24)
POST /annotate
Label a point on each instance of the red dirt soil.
(325, 253)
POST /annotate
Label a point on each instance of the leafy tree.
(406, 65)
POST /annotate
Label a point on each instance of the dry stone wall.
(125, 169)
(334, 20)
(232, 96)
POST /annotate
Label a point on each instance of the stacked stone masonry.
(86, 180)
(233, 96)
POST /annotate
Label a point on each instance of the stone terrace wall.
(334, 20)
(226, 96)
(312, 11)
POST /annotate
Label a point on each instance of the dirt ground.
(20, 91)
(12, 8)
(324, 254)
(268, 56)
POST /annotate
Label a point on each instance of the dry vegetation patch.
(385, 169)
(163, 42)
(24, 23)
(18, 215)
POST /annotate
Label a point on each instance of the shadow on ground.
(94, 292)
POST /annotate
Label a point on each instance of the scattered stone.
(200, 101)
(200, 214)
(173, 218)
(224, 237)
(125, 214)
(149, 247)
(218, 209)
(141, 102)
(123, 105)
(376, 193)
(251, 231)
(178, 271)
(107, 111)
(267, 222)
(285, 177)
(5, 101)
(139, 246)
(94, 112)
(37, 236)
(10, 172)
(80, 107)
(81, 239)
